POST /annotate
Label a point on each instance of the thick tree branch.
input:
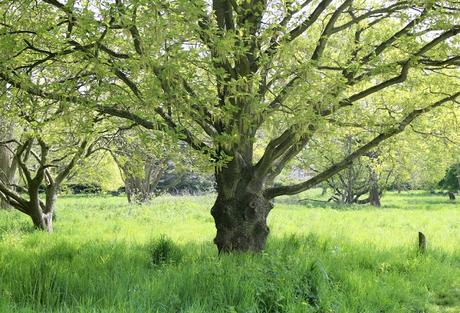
(347, 161)
(13, 198)
(405, 66)
(66, 171)
(327, 32)
(387, 43)
(185, 134)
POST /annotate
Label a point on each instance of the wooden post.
(421, 243)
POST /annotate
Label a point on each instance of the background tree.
(450, 181)
(142, 161)
(363, 181)
(50, 144)
(215, 75)
(37, 176)
(357, 181)
(8, 165)
(144, 158)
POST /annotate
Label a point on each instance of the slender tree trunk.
(140, 189)
(50, 206)
(8, 165)
(35, 206)
(240, 212)
(129, 192)
(323, 189)
(374, 195)
(349, 194)
(133, 188)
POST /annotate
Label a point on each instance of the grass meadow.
(108, 256)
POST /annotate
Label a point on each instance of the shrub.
(450, 180)
(164, 251)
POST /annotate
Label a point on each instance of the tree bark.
(349, 193)
(8, 165)
(241, 223)
(42, 213)
(240, 212)
(374, 194)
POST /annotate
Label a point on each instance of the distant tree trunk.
(141, 188)
(398, 177)
(8, 165)
(398, 185)
(349, 193)
(323, 189)
(350, 197)
(374, 194)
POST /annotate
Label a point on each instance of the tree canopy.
(229, 76)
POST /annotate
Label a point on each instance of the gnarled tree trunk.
(240, 211)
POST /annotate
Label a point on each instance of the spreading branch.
(347, 161)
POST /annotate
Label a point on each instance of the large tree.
(39, 171)
(227, 75)
(450, 181)
(48, 145)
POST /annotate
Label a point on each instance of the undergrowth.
(107, 256)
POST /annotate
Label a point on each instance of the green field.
(108, 256)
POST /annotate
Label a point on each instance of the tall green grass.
(109, 256)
